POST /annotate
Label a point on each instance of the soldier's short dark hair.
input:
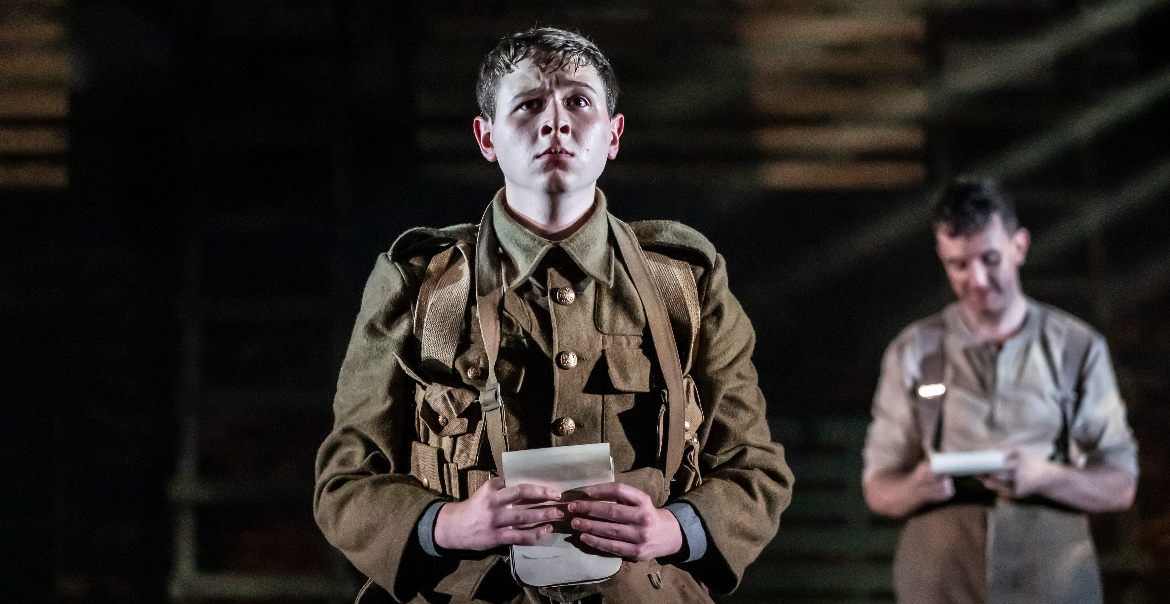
(967, 204)
(550, 49)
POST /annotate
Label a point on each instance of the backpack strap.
(675, 282)
(931, 388)
(658, 319)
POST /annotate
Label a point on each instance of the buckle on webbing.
(490, 397)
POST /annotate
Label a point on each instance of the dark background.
(171, 323)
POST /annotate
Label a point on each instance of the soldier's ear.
(1021, 239)
(617, 125)
(483, 136)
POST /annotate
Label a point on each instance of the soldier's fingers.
(516, 517)
(616, 491)
(529, 536)
(525, 493)
(613, 512)
(609, 530)
(629, 551)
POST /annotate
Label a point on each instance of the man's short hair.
(967, 204)
(550, 49)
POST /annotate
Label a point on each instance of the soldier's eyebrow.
(567, 83)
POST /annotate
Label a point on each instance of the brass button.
(443, 420)
(567, 360)
(474, 373)
(564, 426)
(687, 425)
(566, 295)
(426, 483)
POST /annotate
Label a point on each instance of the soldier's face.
(984, 268)
(551, 133)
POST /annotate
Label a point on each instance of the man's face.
(551, 133)
(984, 268)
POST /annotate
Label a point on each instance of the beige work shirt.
(1000, 398)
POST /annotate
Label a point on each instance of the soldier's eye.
(530, 104)
(578, 101)
(991, 258)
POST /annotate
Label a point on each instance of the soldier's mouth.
(555, 150)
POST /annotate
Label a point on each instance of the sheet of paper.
(556, 560)
(968, 462)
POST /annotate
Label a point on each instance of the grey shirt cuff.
(426, 529)
(694, 535)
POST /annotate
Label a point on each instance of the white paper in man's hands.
(968, 462)
(555, 560)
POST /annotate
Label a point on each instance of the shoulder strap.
(489, 292)
(676, 284)
(442, 302)
(931, 388)
(658, 319)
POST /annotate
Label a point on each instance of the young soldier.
(550, 323)
(996, 370)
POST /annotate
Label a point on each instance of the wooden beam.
(841, 139)
(879, 175)
(771, 62)
(42, 67)
(802, 101)
(830, 6)
(835, 30)
(35, 104)
(33, 176)
(33, 140)
(31, 32)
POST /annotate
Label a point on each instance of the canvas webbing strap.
(676, 284)
(442, 300)
(661, 333)
(489, 292)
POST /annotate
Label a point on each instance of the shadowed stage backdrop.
(193, 193)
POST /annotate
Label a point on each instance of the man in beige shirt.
(1008, 374)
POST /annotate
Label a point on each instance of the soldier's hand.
(1024, 474)
(496, 515)
(621, 520)
(929, 487)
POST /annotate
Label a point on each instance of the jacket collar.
(588, 247)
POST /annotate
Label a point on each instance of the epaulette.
(422, 240)
(673, 235)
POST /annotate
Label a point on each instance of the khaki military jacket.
(366, 501)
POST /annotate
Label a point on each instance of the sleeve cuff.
(426, 529)
(694, 535)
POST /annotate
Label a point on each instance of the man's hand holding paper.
(621, 520)
(497, 515)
